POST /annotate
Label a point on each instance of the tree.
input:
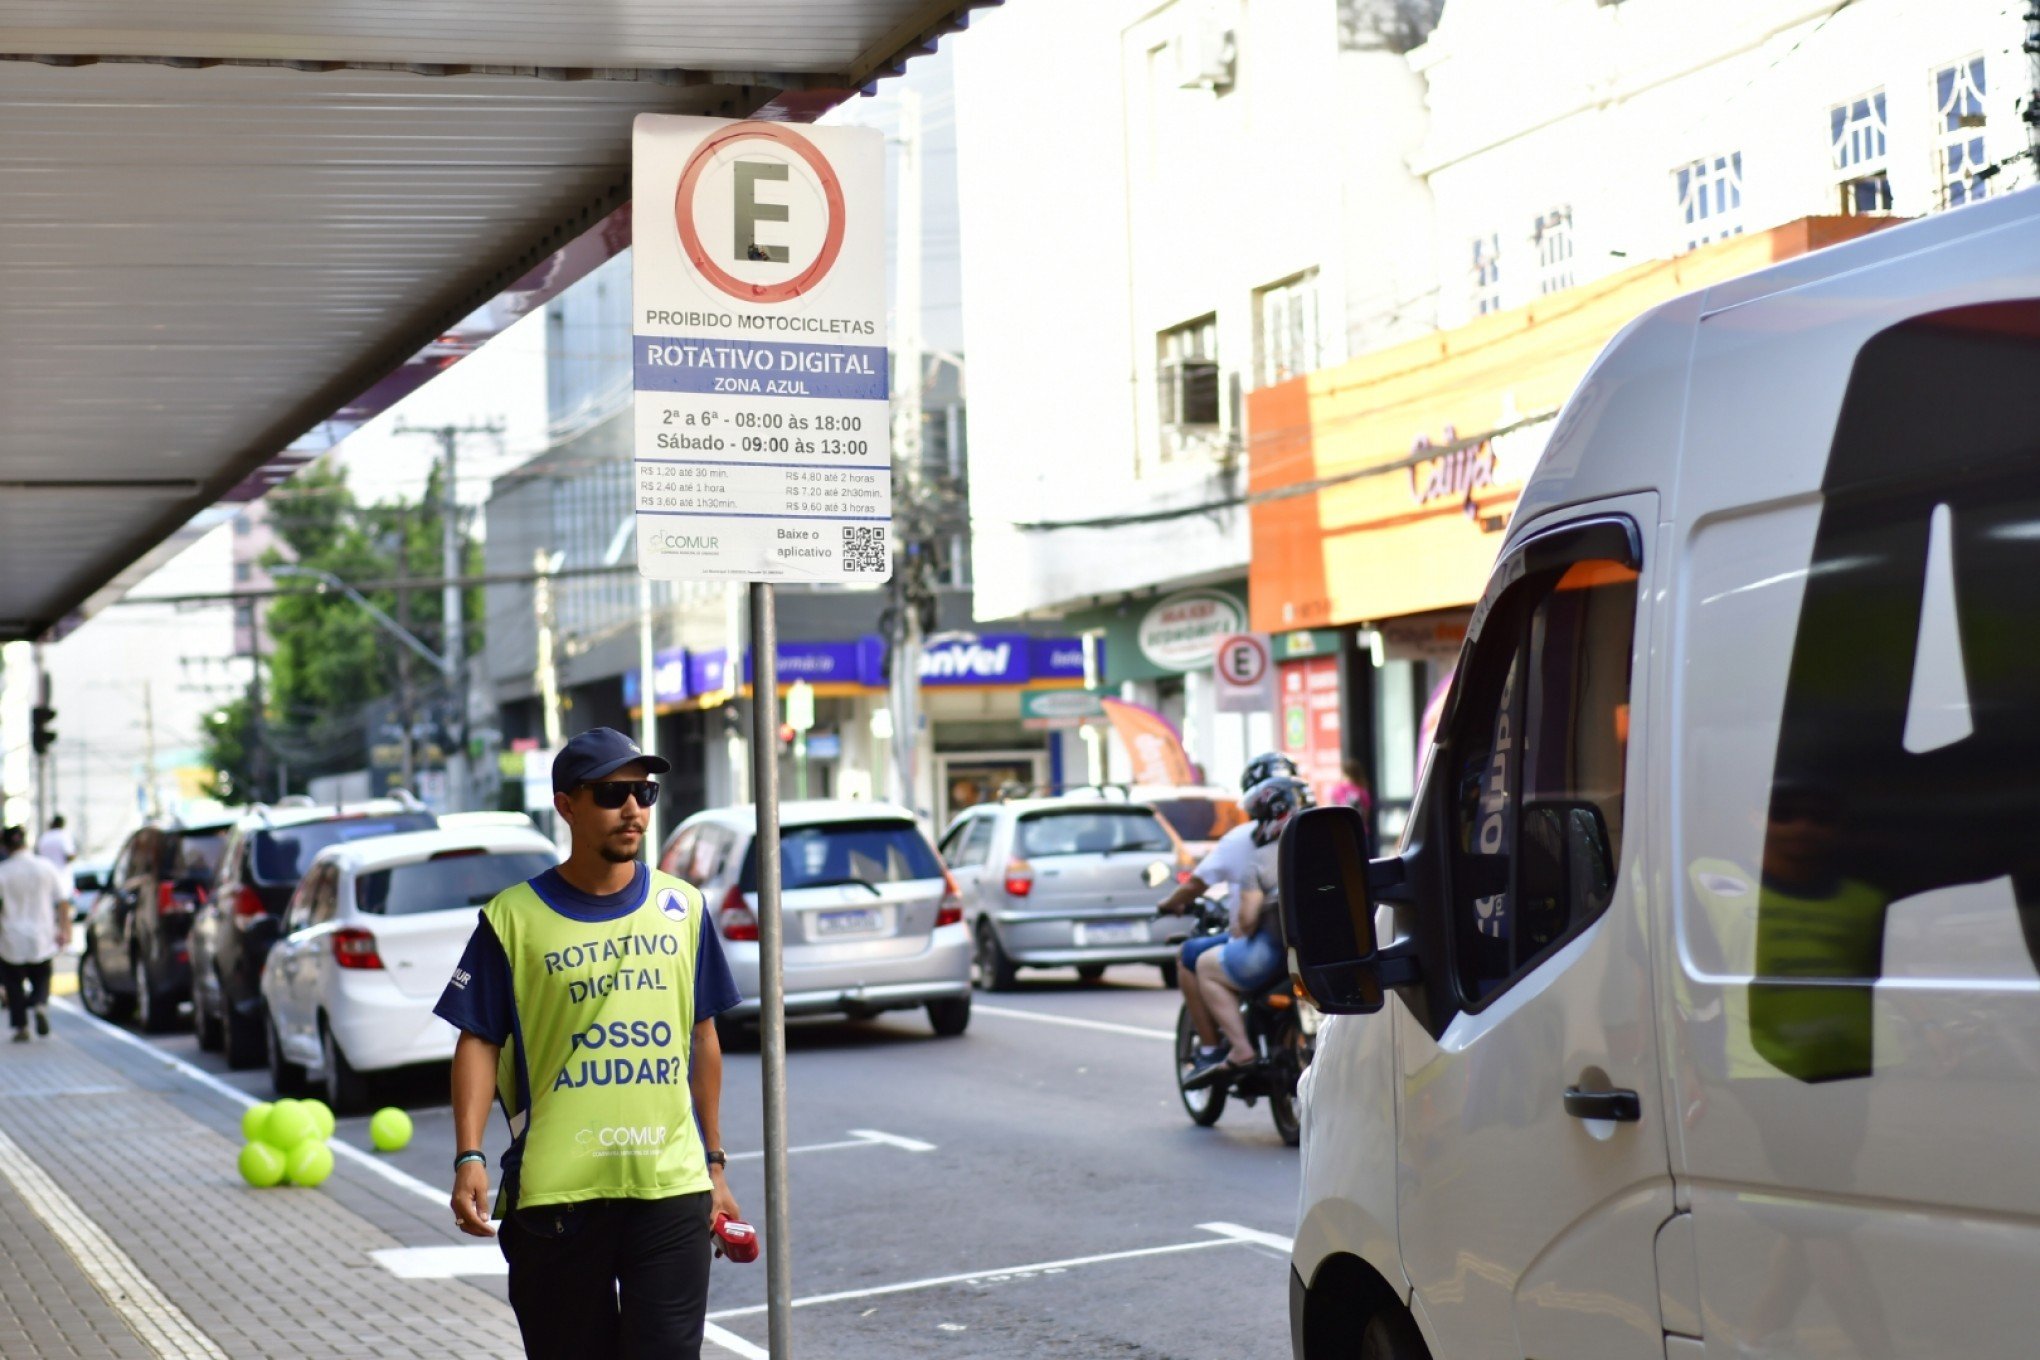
(332, 662)
(1387, 25)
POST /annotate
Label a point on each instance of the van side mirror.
(1327, 907)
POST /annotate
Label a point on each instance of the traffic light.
(41, 735)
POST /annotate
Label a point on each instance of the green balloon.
(288, 1124)
(389, 1129)
(261, 1164)
(310, 1163)
(322, 1117)
(251, 1120)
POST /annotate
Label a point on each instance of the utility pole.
(543, 565)
(405, 715)
(151, 804)
(453, 635)
(909, 581)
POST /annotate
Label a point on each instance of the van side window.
(1538, 746)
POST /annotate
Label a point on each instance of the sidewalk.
(129, 1233)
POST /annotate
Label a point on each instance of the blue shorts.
(1251, 963)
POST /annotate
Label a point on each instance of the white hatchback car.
(369, 939)
(873, 921)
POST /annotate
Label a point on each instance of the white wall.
(1535, 104)
(1107, 204)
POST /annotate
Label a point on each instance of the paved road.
(1057, 1211)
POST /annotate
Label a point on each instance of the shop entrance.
(965, 780)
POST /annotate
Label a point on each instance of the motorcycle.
(1281, 1026)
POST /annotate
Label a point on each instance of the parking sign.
(1245, 678)
(764, 443)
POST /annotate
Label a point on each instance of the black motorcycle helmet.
(1262, 768)
(1271, 803)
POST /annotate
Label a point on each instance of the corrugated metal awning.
(214, 236)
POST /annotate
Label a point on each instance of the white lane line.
(893, 1140)
(1038, 1268)
(441, 1198)
(1285, 1245)
(734, 1344)
(1104, 1026)
(157, 1321)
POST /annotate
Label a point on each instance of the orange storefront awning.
(1381, 487)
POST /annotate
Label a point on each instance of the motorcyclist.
(1230, 863)
(1249, 956)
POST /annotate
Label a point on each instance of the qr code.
(863, 548)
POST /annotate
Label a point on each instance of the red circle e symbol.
(1245, 662)
(690, 238)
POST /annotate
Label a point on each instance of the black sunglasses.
(614, 793)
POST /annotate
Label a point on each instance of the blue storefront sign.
(985, 659)
(669, 679)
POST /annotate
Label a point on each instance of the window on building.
(1856, 131)
(1286, 330)
(1958, 95)
(1710, 198)
(1552, 236)
(1486, 274)
(1187, 372)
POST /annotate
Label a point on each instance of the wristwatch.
(717, 1157)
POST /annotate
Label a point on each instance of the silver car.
(1055, 883)
(873, 922)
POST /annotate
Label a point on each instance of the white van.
(1705, 1019)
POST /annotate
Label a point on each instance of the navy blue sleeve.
(715, 991)
(478, 998)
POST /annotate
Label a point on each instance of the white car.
(873, 920)
(369, 939)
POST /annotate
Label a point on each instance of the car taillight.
(1019, 878)
(354, 947)
(736, 920)
(950, 913)
(248, 905)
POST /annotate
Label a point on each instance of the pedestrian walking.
(586, 1000)
(56, 844)
(35, 923)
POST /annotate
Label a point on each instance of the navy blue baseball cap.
(597, 752)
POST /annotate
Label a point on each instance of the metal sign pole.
(771, 978)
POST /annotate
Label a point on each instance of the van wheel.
(286, 1078)
(99, 999)
(995, 970)
(950, 1016)
(1392, 1335)
(347, 1091)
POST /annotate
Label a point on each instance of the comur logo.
(623, 1138)
(671, 542)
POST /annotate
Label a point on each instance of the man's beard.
(617, 855)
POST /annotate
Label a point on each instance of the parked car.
(265, 855)
(873, 922)
(136, 957)
(88, 879)
(367, 942)
(1061, 882)
(1199, 815)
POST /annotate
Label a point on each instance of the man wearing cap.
(585, 1000)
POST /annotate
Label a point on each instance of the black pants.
(610, 1278)
(28, 984)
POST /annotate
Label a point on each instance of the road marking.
(893, 1140)
(441, 1263)
(1038, 1268)
(439, 1197)
(733, 1343)
(157, 1321)
(1105, 1026)
(1285, 1245)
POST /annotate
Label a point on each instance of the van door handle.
(1622, 1107)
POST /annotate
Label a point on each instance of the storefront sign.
(1046, 710)
(1180, 632)
(764, 446)
(1244, 671)
(669, 679)
(1291, 646)
(990, 659)
(1312, 726)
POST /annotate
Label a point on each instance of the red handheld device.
(735, 1238)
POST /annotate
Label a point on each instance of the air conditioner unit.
(1207, 57)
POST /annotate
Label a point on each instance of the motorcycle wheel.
(1203, 1106)
(1291, 1055)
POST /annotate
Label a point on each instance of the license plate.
(856, 922)
(1110, 932)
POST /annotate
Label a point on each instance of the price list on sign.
(763, 434)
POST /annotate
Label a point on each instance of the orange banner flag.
(1152, 741)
